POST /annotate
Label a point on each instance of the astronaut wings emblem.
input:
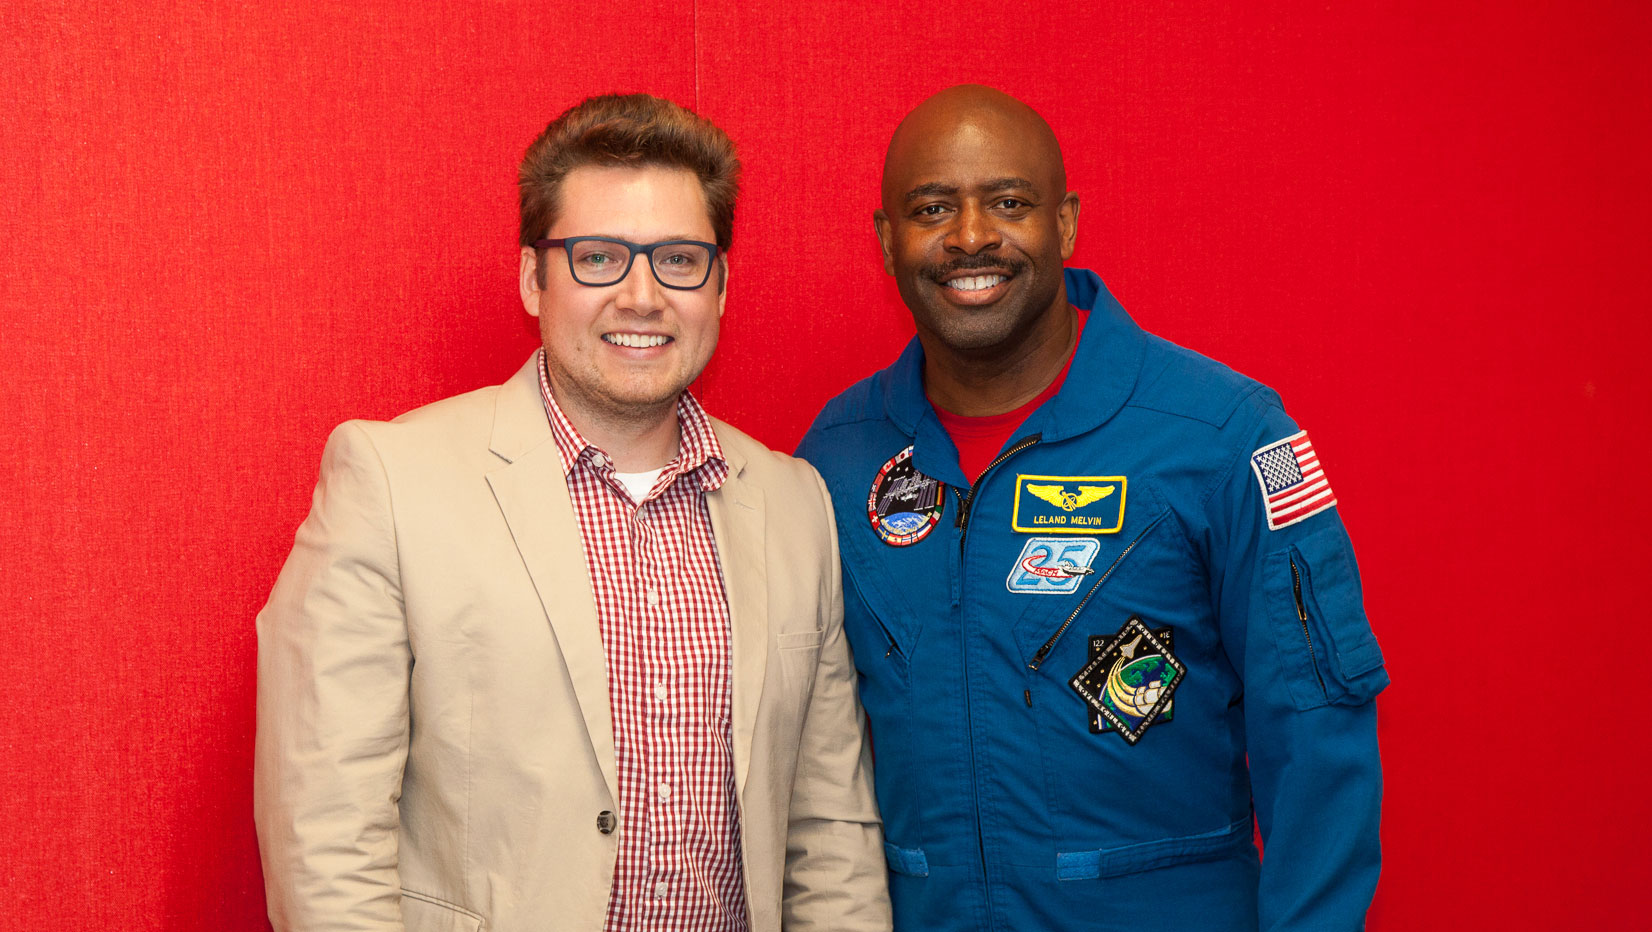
(1070, 501)
(1069, 504)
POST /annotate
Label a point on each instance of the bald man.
(1101, 602)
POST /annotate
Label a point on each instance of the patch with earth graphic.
(1129, 679)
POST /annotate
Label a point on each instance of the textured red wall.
(227, 227)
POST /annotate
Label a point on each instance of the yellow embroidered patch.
(1069, 504)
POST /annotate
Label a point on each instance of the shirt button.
(661, 889)
(606, 822)
(653, 598)
(659, 691)
(598, 460)
(665, 791)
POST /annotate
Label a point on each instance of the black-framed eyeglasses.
(684, 264)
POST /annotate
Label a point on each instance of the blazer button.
(606, 822)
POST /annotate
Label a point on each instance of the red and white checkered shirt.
(664, 620)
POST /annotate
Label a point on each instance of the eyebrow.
(995, 186)
(631, 238)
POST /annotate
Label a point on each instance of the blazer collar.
(532, 493)
(738, 511)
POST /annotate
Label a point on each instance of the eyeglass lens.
(598, 262)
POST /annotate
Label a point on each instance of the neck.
(635, 447)
(637, 440)
(1000, 379)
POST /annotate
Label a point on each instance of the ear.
(528, 277)
(880, 222)
(1067, 217)
(722, 283)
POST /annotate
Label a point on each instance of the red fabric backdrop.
(227, 227)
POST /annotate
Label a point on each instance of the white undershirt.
(638, 483)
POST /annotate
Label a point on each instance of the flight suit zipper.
(962, 524)
(965, 501)
(1302, 619)
(1044, 651)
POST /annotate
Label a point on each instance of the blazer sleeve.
(835, 874)
(332, 735)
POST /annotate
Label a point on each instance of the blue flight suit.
(1136, 499)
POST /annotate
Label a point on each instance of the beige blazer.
(434, 746)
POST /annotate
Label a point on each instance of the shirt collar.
(699, 455)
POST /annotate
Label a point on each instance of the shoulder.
(860, 402)
(850, 427)
(452, 426)
(785, 482)
(1182, 383)
(758, 464)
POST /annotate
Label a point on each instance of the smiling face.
(621, 354)
(976, 222)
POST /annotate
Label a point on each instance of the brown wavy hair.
(631, 130)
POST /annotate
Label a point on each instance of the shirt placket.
(624, 637)
(661, 652)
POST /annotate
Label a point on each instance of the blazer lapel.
(738, 522)
(532, 492)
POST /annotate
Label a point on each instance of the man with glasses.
(568, 652)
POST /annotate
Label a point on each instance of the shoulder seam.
(1239, 452)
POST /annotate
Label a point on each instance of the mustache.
(937, 271)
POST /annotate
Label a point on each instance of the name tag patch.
(1069, 504)
(1053, 565)
(1129, 680)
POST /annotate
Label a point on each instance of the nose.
(639, 291)
(973, 231)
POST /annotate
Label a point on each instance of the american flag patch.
(1294, 486)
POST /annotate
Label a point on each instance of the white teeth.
(636, 340)
(975, 282)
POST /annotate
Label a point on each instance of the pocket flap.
(909, 861)
(1319, 620)
(424, 913)
(800, 640)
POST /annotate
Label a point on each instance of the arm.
(835, 874)
(333, 668)
(1295, 627)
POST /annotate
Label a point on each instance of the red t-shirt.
(979, 439)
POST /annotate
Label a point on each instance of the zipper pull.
(966, 501)
(1038, 658)
(1296, 590)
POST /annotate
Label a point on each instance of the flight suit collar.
(1101, 379)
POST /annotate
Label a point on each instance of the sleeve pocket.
(1326, 647)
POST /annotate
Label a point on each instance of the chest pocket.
(800, 655)
(1316, 611)
(889, 582)
(1045, 621)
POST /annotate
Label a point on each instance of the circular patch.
(904, 504)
